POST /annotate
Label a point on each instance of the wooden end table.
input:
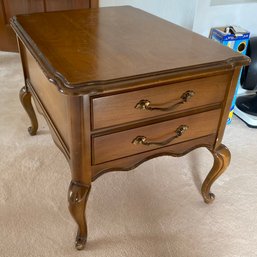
(118, 86)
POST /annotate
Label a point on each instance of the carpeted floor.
(154, 211)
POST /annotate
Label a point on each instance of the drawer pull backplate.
(144, 141)
(146, 104)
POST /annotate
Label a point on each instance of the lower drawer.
(146, 138)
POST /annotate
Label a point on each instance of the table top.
(105, 45)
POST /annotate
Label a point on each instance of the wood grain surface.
(84, 46)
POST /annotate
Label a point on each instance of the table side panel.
(227, 105)
(80, 138)
(120, 108)
(57, 5)
(118, 145)
(54, 102)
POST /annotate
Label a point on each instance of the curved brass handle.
(144, 141)
(146, 104)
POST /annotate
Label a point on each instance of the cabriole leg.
(25, 98)
(221, 161)
(77, 198)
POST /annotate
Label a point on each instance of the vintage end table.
(118, 86)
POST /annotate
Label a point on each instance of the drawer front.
(126, 143)
(120, 108)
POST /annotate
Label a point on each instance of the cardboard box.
(237, 39)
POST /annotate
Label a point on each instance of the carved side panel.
(14, 7)
(57, 5)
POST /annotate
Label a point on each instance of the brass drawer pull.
(144, 141)
(146, 104)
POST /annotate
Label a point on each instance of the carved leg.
(25, 98)
(221, 161)
(77, 197)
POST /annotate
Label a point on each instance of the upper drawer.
(161, 100)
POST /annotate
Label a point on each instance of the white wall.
(199, 15)
(176, 11)
(208, 15)
(222, 2)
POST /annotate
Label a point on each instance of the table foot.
(77, 198)
(221, 161)
(25, 98)
(80, 242)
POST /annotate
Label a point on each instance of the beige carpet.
(154, 211)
